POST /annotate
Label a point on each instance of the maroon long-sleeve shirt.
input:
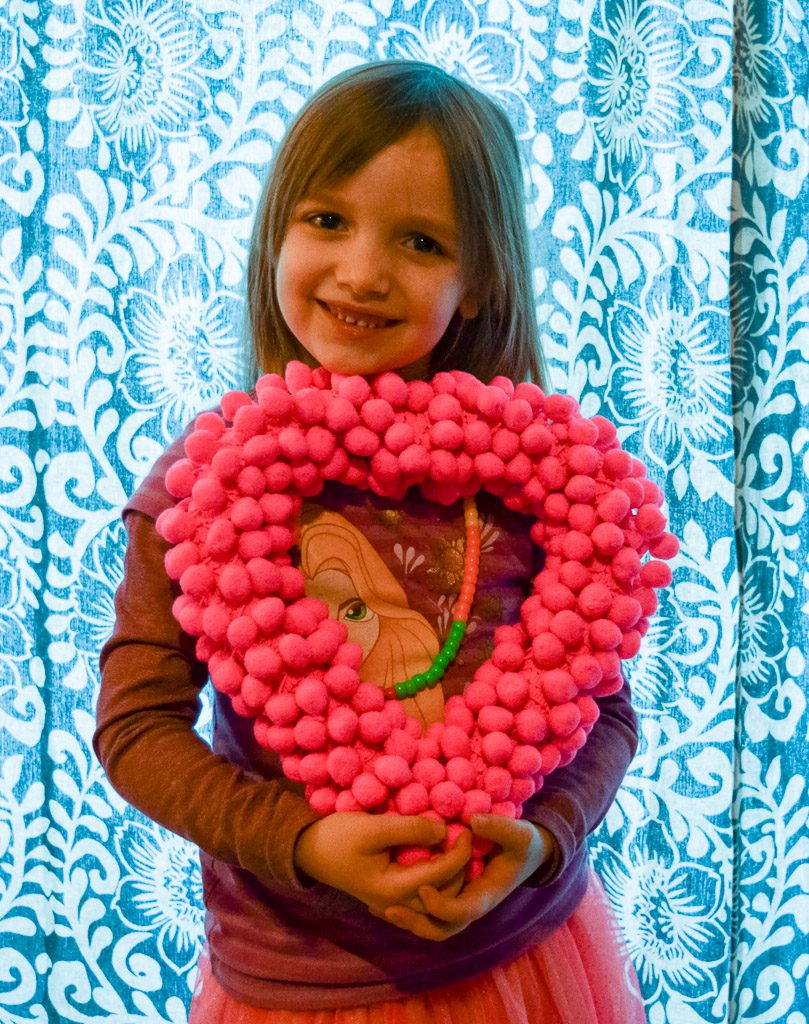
(276, 942)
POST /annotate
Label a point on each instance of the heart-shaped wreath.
(287, 665)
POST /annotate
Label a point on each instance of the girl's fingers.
(405, 830)
(501, 830)
(419, 925)
(439, 870)
(462, 910)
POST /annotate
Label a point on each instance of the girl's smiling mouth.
(352, 316)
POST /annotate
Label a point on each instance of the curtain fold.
(666, 151)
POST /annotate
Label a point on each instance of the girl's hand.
(353, 851)
(524, 847)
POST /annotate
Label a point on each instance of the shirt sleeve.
(145, 738)
(574, 799)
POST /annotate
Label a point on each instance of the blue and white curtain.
(666, 147)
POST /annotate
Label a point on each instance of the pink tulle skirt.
(581, 974)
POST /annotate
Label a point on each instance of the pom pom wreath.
(289, 667)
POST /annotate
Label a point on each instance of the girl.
(390, 236)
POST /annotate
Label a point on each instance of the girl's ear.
(469, 307)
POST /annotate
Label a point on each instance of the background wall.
(667, 154)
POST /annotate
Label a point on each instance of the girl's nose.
(363, 268)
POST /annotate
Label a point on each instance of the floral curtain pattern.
(666, 150)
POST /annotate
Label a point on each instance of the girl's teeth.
(354, 322)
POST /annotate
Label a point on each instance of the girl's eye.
(357, 611)
(425, 244)
(327, 221)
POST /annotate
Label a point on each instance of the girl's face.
(369, 277)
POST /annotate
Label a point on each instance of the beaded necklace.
(445, 657)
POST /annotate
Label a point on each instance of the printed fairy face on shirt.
(369, 274)
(343, 570)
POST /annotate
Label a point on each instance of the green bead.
(443, 659)
(457, 629)
(435, 672)
(401, 690)
(419, 681)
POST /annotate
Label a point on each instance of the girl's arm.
(145, 739)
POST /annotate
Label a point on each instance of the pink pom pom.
(447, 798)
(446, 434)
(414, 460)
(588, 710)
(614, 507)
(530, 726)
(512, 690)
(346, 802)
(508, 657)
(491, 402)
(341, 415)
(595, 600)
(577, 546)
(349, 654)
(188, 613)
(524, 761)
(215, 621)
(282, 709)
(242, 632)
(391, 388)
(429, 772)
(368, 791)
(584, 459)
(563, 719)
(518, 414)
(489, 467)
(495, 719)
(276, 402)
(458, 714)
(310, 733)
(361, 441)
(625, 611)
(608, 539)
(278, 476)
(295, 651)
(505, 444)
(235, 584)
(617, 464)
(226, 464)
(569, 627)
(443, 466)
(181, 558)
(605, 635)
(427, 747)
(344, 765)
(246, 514)
(368, 698)
(323, 644)
(175, 525)
(461, 771)
(392, 770)
(583, 519)
(558, 686)
(323, 800)
(522, 789)
(497, 747)
(300, 618)
(664, 546)
(630, 644)
(200, 446)
(548, 650)
(410, 855)
(377, 415)
(374, 727)
(293, 583)
(475, 802)
(412, 799)
(626, 565)
(655, 574)
(180, 478)
(263, 661)
(454, 742)
(586, 671)
(313, 770)
(250, 482)
(312, 696)
(398, 437)
(574, 576)
(280, 738)
(269, 614)
(497, 782)
(445, 407)
(320, 443)
(221, 538)
(342, 724)
(581, 489)
(210, 422)
(477, 437)
(401, 744)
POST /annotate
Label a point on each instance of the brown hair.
(344, 125)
